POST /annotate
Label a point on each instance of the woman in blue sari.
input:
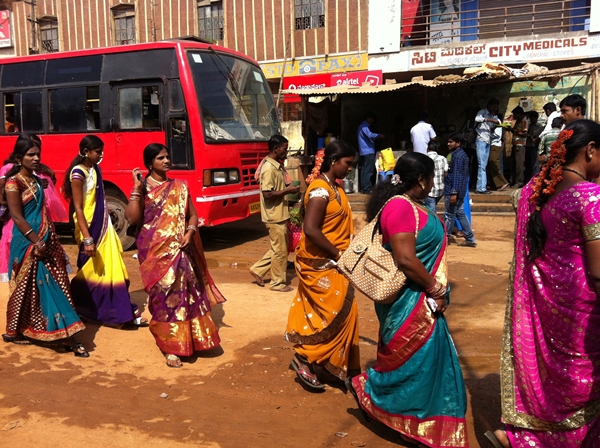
(40, 305)
(416, 386)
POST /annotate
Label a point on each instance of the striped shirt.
(547, 139)
(441, 168)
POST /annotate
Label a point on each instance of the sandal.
(140, 321)
(495, 441)
(257, 279)
(78, 350)
(306, 377)
(173, 361)
(352, 390)
(20, 340)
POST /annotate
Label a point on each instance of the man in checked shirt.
(441, 168)
(456, 189)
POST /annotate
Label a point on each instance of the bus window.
(9, 113)
(139, 107)
(28, 112)
(179, 143)
(72, 109)
(235, 101)
(176, 103)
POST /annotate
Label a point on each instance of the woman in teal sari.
(416, 386)
(40, 305)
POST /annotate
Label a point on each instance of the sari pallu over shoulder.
(428, 408)
(40, 305)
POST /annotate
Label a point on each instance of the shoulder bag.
(369, 266)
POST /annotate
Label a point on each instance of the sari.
(323, 317)
(550, 359)
(101, 287)
(181, 290)
(40, 305)
(416, 386)
(56, 213)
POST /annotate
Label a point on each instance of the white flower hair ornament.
(396, 180)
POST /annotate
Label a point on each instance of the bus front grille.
(250, 161)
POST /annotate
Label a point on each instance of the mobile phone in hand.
(139, 176)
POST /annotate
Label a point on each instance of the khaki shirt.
(271, 179)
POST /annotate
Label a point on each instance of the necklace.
(333, 187)
(575, 172)
(29, 184)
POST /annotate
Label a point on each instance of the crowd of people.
(550, 379)
(45, 306)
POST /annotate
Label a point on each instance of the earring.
(422, 185)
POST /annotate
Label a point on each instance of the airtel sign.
(374, 77)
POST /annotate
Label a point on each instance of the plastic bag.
(389, 161)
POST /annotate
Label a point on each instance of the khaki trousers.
(275, 260)
(498, 179)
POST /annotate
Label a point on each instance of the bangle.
(39, 244)
(28, 232)
(190, 227)
(88, 241)
(135, 191)
(437, 290)
(134, 198)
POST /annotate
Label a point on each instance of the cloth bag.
(369, 266)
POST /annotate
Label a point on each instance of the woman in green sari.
(416, 386)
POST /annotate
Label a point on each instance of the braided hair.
(563, 151)
(409, 167)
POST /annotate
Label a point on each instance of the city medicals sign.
(475, 54)
(5, 40)
(317, 65)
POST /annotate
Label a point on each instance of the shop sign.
(374, 77)
(5, 40)
(318, 65)
(503, 52)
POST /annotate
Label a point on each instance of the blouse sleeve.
(319, 193)
(591, 218)
(77, 173)
(11, 185)
(399, 217)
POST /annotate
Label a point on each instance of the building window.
(309, 14)
(49, 34)
(124, 25)
(210, 20)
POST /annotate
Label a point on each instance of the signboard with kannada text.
(5, 39)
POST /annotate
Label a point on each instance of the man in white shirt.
(551, 114)
(487, 120)
(422, 133)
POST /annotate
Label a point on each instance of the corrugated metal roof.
(338, 90)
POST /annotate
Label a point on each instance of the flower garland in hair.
(551, 173)
(317, 168)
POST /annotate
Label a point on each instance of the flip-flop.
(19, 340)
(350, 387)
(173, 358)
(284, 289)
(257, 279)
(494, 440)
(307, 378)
(78, 350)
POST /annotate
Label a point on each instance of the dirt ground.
(243, 393)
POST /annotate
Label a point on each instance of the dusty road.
(243, 394)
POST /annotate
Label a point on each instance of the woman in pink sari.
(172, 264)
(550, 364)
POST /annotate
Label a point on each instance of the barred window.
(309, 14)
(210, 20)
(124, 26)
(49, 34)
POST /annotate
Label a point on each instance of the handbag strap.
(415, 211)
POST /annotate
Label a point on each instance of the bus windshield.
(235, 101)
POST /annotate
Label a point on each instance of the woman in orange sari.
(172, 264)
(323, 319)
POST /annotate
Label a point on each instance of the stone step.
(497, 202)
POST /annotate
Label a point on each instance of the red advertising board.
(375, 77)
(5, 40)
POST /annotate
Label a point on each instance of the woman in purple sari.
(172, 263)
(550, 363)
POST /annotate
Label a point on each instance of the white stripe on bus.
(226, 196)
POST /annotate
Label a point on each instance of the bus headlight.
(219, 177)
(234, 176)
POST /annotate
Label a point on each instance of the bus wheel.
(115, 202)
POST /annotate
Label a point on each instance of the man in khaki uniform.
(274, 213)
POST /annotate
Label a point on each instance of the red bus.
(211, 106)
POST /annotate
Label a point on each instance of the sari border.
(440, 431)
(332, 328)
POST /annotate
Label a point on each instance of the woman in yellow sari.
(101, 287)
(323, 319)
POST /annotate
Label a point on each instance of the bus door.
(138, 119)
